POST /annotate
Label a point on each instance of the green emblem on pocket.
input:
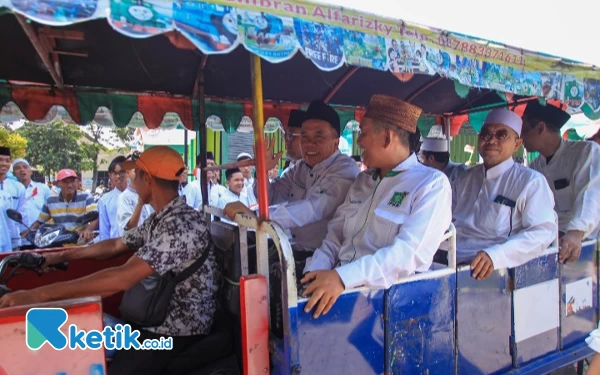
(397, 199)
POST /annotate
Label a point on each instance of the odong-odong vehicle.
(531, 319)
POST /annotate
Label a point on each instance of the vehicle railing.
(282, 244)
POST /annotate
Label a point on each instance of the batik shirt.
(171, 240)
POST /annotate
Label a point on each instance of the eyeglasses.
(500, 135)
(290, 136)
(121, 173)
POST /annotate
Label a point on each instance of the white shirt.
(228, 197)
(193, 194)
(16, 190)
(126, 204)
(36, 195)
(483, 224)
(107, 209)
(387, 228)
(5, 223)
(453, 170)
(578, 203)
(308, 197)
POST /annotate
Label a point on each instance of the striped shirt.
(67, 213)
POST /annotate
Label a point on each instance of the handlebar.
(28, 261)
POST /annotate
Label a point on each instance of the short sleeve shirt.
(171, 240)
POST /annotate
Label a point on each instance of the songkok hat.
(505, 117)
(393, 111)
(434, 145)
(296, 118)
(317, 110)
(551, 115)
(4, 151)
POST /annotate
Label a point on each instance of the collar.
(561, 148)
(60, 196)
(325, 163)
(408, 163)
(234, 194)
(499, 170)
(175, 203)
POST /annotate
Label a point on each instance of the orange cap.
(159, 161)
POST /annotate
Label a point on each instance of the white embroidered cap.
(435, 145)
(505, 117)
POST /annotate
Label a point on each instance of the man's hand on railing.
(570, 246)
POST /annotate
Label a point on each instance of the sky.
(567, 29)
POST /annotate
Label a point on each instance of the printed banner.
(140, 19)
(268, 36)
(212, 28)
(321, 43)
(365, 50)
(331, 37)
(54, 12)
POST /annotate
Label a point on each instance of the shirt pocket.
(387, 225)
(563, 199)
(496, 219)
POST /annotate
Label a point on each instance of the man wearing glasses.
(293, 131)
(108, 204)
(502, 210)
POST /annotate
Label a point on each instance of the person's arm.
(104, 221)
(326, 256)
(586, 215)
(279, 189)
(135, 217)
(103, 283)
(594, 368)
(421, 232)
(539, 227)
(321, 202)
(100, 251)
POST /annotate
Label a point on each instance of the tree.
(117, 138)
(12, 140)
(55, 146)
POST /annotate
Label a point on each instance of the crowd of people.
(351, 221)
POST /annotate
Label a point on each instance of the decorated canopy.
(144, 56)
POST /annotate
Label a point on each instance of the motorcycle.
(55, 235)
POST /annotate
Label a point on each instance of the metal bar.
(71, 53)
(487, 108)
(255, 327)
(259, 137)
(424, 88)
(339, 84)
(554, 361)
(447, 118)
(42, 53)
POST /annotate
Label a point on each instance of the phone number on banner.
(480, 50)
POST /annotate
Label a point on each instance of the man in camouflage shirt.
(170, 240)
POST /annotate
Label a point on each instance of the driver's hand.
(19, 298)
(86, 235)
(24, 233)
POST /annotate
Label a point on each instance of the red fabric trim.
(154, 109)
(36, 102)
